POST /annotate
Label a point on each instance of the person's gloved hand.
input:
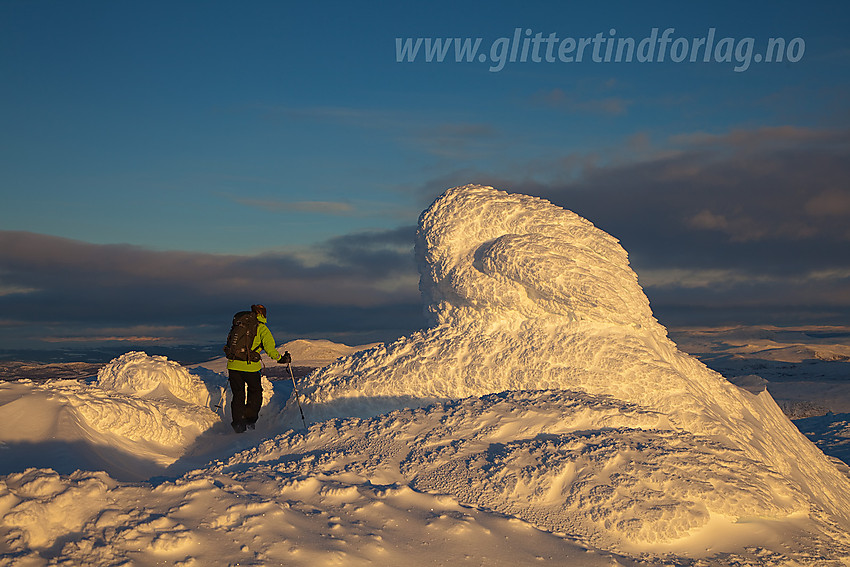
(285, 359)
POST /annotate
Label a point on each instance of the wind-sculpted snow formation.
(524, 295)
(136, 419)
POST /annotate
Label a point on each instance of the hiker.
(244, 364)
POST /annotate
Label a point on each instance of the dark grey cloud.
(747, 197)
(374, 253)
(54, 287)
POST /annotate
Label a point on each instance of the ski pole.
(295, 389)
(220, 399)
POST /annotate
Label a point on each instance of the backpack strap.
(259, 346)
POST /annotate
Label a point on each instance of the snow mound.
(524, 295)
(136, 373)
(319, 352)
(135, 420)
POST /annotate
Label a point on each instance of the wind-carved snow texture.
(138, 374)
(135, 420)
(524, 295)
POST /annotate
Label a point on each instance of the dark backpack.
(241, 337)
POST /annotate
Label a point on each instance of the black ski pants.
(245, 411)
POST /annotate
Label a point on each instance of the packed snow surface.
(545, 416)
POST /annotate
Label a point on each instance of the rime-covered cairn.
(524, 295)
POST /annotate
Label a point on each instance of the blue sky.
(154, 151)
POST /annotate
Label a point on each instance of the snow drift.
(138, 374)
(135, 420)
(524, 295)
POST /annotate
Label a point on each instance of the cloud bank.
(56, 287)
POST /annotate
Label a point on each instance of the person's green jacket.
(264, 337)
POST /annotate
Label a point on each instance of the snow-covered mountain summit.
(524, 295)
